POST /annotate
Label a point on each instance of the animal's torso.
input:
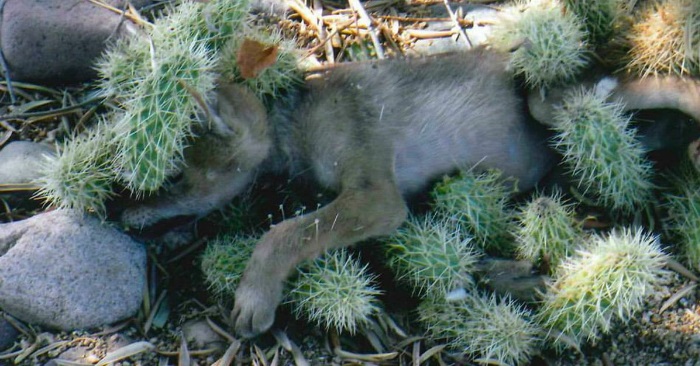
(434, 114)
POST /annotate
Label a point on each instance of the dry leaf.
(254, 57)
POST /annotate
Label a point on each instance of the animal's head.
(219, 165)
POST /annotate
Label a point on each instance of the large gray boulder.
(21, 161)
(57, 40)
(67, 270)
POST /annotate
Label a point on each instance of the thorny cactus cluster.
(601, 151)
(548, 230)
(553, 48)
(497, 330)
(665, 39)
(160, 78)
(432, 255)
(596, 278)
(482, 212)
(607, 280)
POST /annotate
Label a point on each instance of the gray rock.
(20, 161)
(199, 334)
(66, 270)
(477, 35)
(56, 40)
(138, 4)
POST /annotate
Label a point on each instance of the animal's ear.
(211, 117)
(238, 110)
(215, 122)
(232, 111)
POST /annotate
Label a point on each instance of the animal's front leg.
(357, 214)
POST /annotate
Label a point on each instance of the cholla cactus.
(278, 76)
(151, 135)
(602, 152)
(224, 261)
(335, 291)
(554, 50)
(478, 204)
(432, 256)
(683, 204)
(665, 39)
(599, 17)
(80, 177)
(161, 79)
(548, 229)
(608, 280)
(496, 331)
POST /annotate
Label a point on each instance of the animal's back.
(438, 114)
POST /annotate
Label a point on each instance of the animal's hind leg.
(671, 92)
(369, 204)
(682, 94)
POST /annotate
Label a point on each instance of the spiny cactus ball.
(80, 177)
(608, 280)
(161, 79)
(432, 256)
(477, 203)
(224, 261)
(602, 152)
(598, 17)
(665, 39)
(272, 79)
(553, 49)
(683, 205)
(548, 230)
(496, 331)
(335, 291)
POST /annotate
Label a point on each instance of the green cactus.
(599, 17)
(224, 261)
(432, 256)
(478, 204)
(335, 291)
(548, 229)
(159, 77)
(80, 176)
(608, 280)
(665, 39)
(554, 50)
(683, 206)
(498, 331)
(602, 152)
(151, 135)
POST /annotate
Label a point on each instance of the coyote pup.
(374, 132)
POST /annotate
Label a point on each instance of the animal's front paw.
(254, 309)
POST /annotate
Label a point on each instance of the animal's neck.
(285, 156)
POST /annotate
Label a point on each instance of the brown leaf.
(254, 57)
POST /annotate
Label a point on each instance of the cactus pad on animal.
(602, 152)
